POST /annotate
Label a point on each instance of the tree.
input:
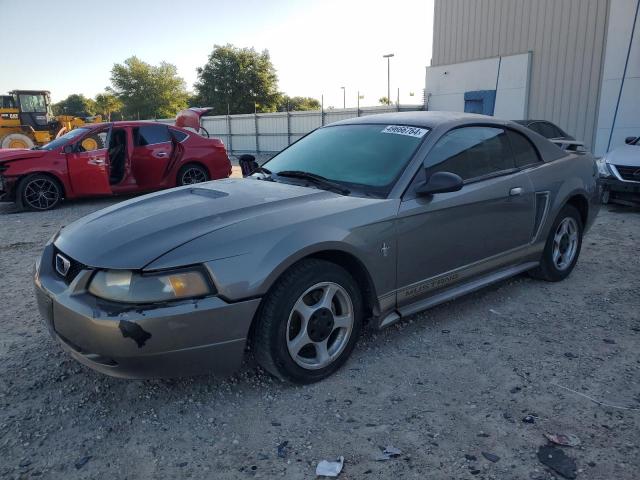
(384, 101)
(107, 103)
(298, 104)
(76, 105)
(240, 78)
(148, 91)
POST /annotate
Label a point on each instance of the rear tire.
(39, 192)
(191, 174)
(563, 246)
(17, 140)
(315, 311)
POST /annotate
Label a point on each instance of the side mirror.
(441, 182)
(248, 164)
(630, 140)
(69, 148)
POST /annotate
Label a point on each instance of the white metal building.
(573, 62)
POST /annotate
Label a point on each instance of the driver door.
(88, 164)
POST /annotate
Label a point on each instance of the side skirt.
(455, 292)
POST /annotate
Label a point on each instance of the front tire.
(39, 192)
(308, 323)
(563, 246)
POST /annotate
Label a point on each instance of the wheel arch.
(580, 202)
(347, 260)
(52, 175)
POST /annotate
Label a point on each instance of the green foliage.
(106, 104)
(298, 104)
(76, 105)
(384, 101)
(241, 78)
(148, 91)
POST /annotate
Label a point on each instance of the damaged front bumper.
(620, 191)
(134, 341)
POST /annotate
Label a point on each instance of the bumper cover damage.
(161, 340)
(619, 191)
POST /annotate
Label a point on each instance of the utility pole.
(344, 98)
(388, 57)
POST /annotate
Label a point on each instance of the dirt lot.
(443, 386)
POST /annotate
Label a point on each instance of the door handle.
(162, 154)
(515, 191)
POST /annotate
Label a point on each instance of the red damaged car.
(111, 159)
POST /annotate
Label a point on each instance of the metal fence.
(271, 132)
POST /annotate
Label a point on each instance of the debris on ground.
(326, 468)
(81, 462)
(529, 419)
(388, 453)
(567, 440)
(282, 449)
(554, 458)
(492, 457)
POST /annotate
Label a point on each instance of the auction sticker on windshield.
(404, 130)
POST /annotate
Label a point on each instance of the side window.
(178, 135)
(471, 152)
(546, 129)
(524, 153)
(94, 141)
(150, 134)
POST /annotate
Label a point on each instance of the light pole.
(344, 98)
(388, 57)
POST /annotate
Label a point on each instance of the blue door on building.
(480, 101)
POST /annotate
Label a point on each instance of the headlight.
(133, 287)
(603, 168)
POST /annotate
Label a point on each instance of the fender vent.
(542, 206)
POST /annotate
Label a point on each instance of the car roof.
(445, 121)
(125, 123)
(427, 119)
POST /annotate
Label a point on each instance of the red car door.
(152, 149)
(88, 164)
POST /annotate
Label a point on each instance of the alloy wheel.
(41, 194)
(193, 175)
(565, 243)
(319, 325)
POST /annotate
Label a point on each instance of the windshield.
(31, 103)
(369, 156)
(60, 141)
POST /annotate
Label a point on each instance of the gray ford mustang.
(361, 222)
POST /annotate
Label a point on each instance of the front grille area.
(630, 174)
(74, 267)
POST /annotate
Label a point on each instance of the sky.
(317, 47)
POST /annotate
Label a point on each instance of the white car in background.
(620, 173)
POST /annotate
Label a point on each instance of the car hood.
(132, 234)
(626, 155)
(10, 154)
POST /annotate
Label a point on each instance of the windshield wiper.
(317, 179)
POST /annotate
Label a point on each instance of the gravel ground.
(443, 386)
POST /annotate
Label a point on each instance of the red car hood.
(9, 154)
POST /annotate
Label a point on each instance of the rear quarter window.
(178, 135)
(150, 134)
(524, 153)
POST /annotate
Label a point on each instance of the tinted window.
(546, 129)
(178, 135)
(523, 152)
(368, 155)
(150, 134)
(471, 152)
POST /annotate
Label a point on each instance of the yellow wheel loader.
(26, 120)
